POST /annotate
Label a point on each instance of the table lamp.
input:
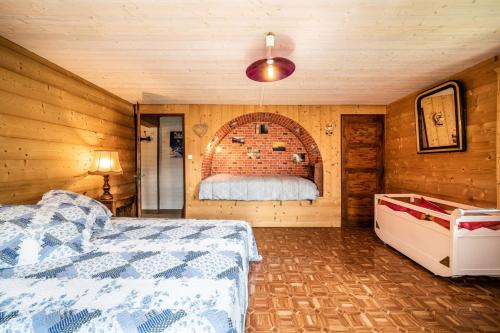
(105, 163)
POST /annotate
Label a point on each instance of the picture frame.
(261, 129)
(253, 153)
(299, 158)
(279, 146)
(176, 144)
(238, 139)
(440, 119)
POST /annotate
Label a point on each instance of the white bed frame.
(453, 252)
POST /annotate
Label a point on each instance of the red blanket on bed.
(442, 222)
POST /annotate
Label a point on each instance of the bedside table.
(121, 205)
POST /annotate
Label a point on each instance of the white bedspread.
(145, 276)
(248, 188)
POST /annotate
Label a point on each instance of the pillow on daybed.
(31, 234)
(101, 212)
(422, 202)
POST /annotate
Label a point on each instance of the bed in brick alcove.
(225, 155)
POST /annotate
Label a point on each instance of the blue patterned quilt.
(149, 275)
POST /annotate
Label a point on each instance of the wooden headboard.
(318, 177)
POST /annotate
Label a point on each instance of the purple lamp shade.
(269, 70)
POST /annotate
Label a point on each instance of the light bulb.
(270, 69)
(270, 72)
(105, 163)
(218, 149)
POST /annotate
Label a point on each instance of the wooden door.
(362, 167)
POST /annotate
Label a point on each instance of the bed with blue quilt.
(66, 266)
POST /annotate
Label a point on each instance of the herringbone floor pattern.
(333, 280)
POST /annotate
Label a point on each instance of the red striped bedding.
(442, 222)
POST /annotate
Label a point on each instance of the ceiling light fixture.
(271, 68)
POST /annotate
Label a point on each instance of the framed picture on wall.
(279, 146)
(253, 153)
(261, 129)
(299, 158)
(176, 144)
(440, 119)
(238, 139)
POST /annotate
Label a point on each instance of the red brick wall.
(311, 149)
(233, 157)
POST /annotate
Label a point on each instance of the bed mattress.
(147, 275)
(257, 188)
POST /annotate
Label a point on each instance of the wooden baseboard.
(162, 211)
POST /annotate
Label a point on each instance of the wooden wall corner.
(498, 136)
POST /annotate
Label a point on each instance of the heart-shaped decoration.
(200, 129)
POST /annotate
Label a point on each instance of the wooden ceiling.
(196, 51)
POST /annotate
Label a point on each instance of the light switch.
(190, 157)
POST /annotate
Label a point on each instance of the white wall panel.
(171, 169)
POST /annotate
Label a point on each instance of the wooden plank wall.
(467, 177)
(50, 122)
(323, 212)
(498, 136)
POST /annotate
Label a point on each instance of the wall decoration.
(279, 146)
(261, 129)
(299, 157)
(238, 139)
(146, 137)
(200, 129)
(253, 154)
(329, 128)
(440, 119)
(176, 144)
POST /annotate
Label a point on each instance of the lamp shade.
(105, 162)
(269, 70)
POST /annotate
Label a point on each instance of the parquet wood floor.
(347, 280)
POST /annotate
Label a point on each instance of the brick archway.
(312, 149)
